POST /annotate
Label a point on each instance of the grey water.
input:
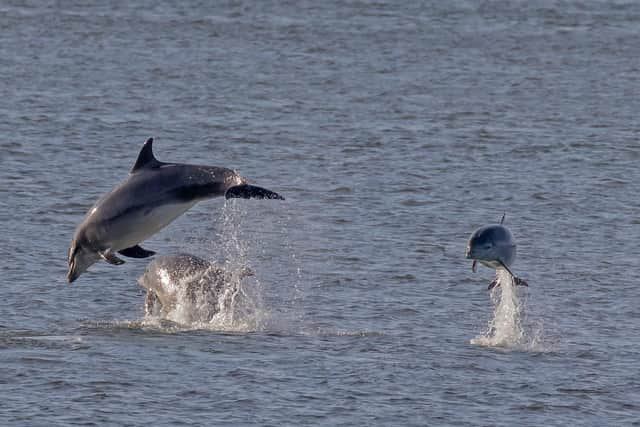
(393, 129)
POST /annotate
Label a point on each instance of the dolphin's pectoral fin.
(516, 280)
(474, 266)
(520, 282)
(136, 252)
(246, 191)
(506, 268)
(111, 258)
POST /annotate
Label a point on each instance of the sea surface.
(393, 129)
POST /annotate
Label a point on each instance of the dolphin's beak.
(72, 275)
(467, 253)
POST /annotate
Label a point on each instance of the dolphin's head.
(167, 276)
(491, 245)
(158, 278)
(80, 258)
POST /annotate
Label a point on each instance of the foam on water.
(507, 327)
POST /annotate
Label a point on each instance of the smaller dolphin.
(494, 247)
(150, 198)
(188, 280)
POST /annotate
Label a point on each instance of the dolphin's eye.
(488, 246)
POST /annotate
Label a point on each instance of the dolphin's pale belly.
(491, 264)
(136, 226)
(507, 255)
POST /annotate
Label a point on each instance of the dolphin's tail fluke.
(246, 191)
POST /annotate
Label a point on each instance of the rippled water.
(393, 131)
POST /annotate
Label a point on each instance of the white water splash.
(272, 298)
(207, 300)
(506, 329)
(232, 302)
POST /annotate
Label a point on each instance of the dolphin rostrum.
(494, 247)
(151, 196)
(201, 287)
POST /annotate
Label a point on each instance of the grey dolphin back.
(146, 160)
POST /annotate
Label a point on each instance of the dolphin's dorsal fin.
(146, 159)
(504, 214)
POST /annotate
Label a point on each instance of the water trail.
(272, 298)
(507, 327)
(290, 292)
(242, 308)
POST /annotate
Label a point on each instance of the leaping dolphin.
(153, 194)
(494, 247)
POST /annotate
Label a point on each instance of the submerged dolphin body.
(153, 194)
(494, 247)
(199, 286)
